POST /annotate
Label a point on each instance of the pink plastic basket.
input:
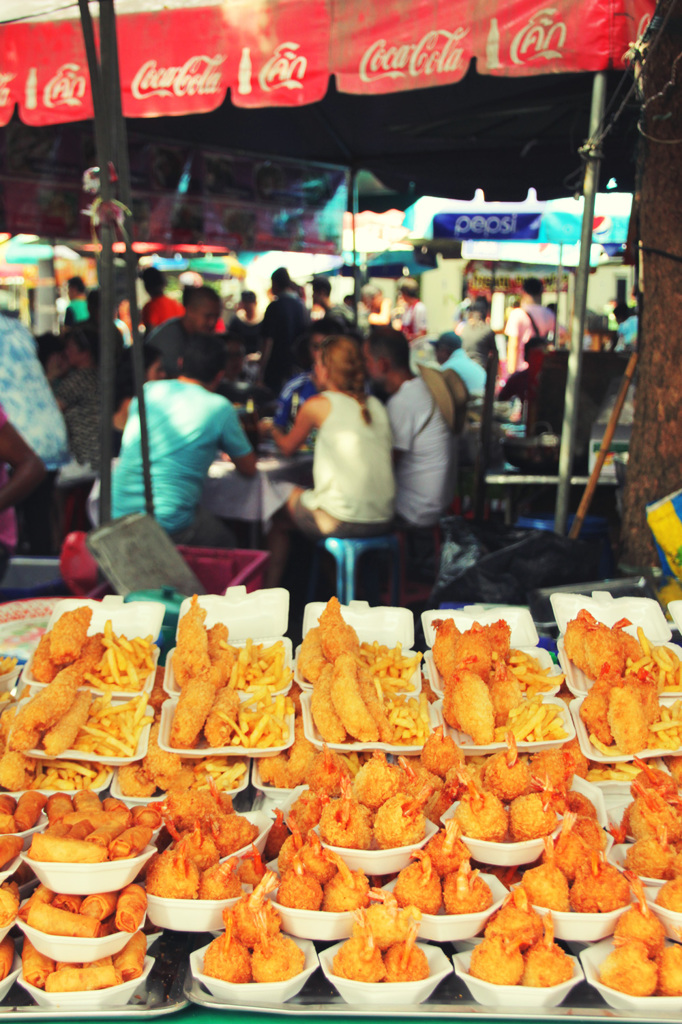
(220, 568)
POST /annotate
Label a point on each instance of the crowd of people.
(335, 377)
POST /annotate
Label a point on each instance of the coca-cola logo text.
(198, 76)
(66, 88)
(285, 69)
(5, 79)
(542, 36)
(438, 52)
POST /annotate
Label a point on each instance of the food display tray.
(160, 995)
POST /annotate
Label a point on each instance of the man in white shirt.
(530, 320)
(424, 450)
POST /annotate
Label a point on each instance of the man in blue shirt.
(451, 356)
(187, 423)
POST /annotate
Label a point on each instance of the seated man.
(424, 450)
(451, 356)
(202, 312)
(187, 424)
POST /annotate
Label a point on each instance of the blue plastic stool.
(347, 552)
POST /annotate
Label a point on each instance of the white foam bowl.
(75, 950)
(4, 931)
(574, 927)
(10, 868)
(442, 927)
(501, 854)
(514, 996)
(6, 983)
(616, 856)
(87, 879)
(391, 993)
(320, 925)
(187, 915)
(593, 956)
(251, 993)
(100, 999)
(380, 862)
(670, 919)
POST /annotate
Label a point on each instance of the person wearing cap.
(451, 356)
(286, 318)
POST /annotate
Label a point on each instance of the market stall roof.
(515, 119)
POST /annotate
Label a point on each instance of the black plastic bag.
(490, 563)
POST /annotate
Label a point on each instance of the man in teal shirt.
(451, 356)
(187, 424)
(77, 311)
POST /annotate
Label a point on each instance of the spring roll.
(131, 908)
(9, 906)
(100, 905)
(68, 901)
(40, 895)
(112, 803)
(58, 804)
(6, 956)
(105, 961)
(149, 815)
(81, 979)
(60, 965)
(130, 961)
(105, 834)
(81, 830)
(10, 846)
(7, 803)
(85, 799)
(130, 843)
(63, 850)
(48, 919)
(29, 809)
(108, 926)
(36, 967)
(58, 829)
(7, 822)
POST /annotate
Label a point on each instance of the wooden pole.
(588, 494)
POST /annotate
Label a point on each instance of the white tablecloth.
(255, 499)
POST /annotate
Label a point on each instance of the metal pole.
(354, 205)
(570, 425)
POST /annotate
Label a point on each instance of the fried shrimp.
(326, 773)
(376, 781)
(359, 959)
(388, 922)
(298, 888)
(401, 820)
(480, 814)
(275, 957)
(441, 754)
(254, 915)
(505, 775)
(221, 881)
(345, 822)
(531, 817)
(546, 885)
(497, 960)
(570, 849)
(227, 957)
(347, 890)
(446, 849)
(628, 969)
(465, 892)
(516, 920)
(405, 961)
(174, 875)
(545, 964)
(639, 923)
(418, 885)
(505, 692)
(598, 887)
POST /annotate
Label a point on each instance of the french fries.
(7, 665)
(389, 667)
(69, 775)
(532, 677)
(409, 717)
(665, 734)
(662, 663)
(261, 723)
(533, 722)
(619, 772)
(226, 773)
(126, 665)
(257, 667)
(353, 760)
(113, 730)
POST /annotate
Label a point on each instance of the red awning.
(182, 58)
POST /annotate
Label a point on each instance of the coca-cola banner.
(54, 83)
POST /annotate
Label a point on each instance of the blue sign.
(487, 226)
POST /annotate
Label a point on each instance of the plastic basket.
(220, 568)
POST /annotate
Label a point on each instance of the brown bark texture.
(655, 463)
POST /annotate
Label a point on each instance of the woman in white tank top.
(353, 485)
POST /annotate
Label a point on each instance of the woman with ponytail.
(353, 486)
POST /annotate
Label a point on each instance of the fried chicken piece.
(418, 885)
(174, 875)
(446, 849)
(401, 820)
(190, 658)
(347, 890)
(594, 710)
(311, 659)
(473, 651)
(441, 754)
(327, 720)
(43, 668)
(161, 766)
(67, 636)
(220, 881)
(374, 705)
(336, 636)
(224, 710)
(301, 755)
(227, 957)
(376, 781)
(669, 963)
(531, 817)
(499, 637)
(62, 735)
(406, 962)
(254, 915)
(516, 920)
(465, 892)
(546, 885)
(194, 704)
(221, 656)
(627, 720)
(639, 923)
(670, 895)
(593, 647)
(276, 958)
(505, 775)
(345, 822)
(43, 710)
(468, 706)
(598, 887)
(444, 654)
(348, 701)
(359, 959)
(481, 815)
(628, 969)
(545, 964)
(497, 960)
(298, 888)
(505, 692)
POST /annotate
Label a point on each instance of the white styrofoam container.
(251, 994)
(380, 862)
(6, 983)
(574, 927)
(173, 690)
(388, 993)
(8, 679)
(616, 856)
(592, 958)
(87, 879)
(513, 997)
(504, 853)
(443, 927)
(675, 609)
(580, 684)
(187, 915)
(615, 789)
(319, 925)
(670, 919)
(99, 999)
(72, 949)
(415, 683)
(313, 736)
(591, 752)
(641, 611)
(523, 631)
(167, 712)
(86, 755)
(261, 615)
(467, 746)
(10, 868)
(542, 656)
(385, 624)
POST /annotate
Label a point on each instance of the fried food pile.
(642, 963)
(484, 680)
(517, 950)
(382, 949)
(205, 830)
(85, 916)
(350, 701)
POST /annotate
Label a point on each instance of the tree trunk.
(655, 466)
